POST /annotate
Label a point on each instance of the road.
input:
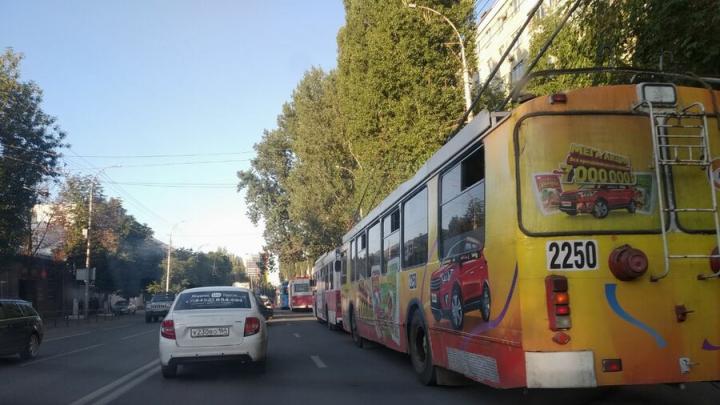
(116, 363)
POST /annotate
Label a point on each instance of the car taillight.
(558, 98)
(167, 329)
(714, 261)
(558, 302)
(252, 326)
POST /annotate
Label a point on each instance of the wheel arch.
(413, 306)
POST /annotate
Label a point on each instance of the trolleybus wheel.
(330, 326)
(485, 302)
(357, 339)
(420, 352)
(457, 314)
(600, 209)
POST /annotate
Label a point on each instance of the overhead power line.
(164, 156)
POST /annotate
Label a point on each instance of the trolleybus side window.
(462, 213)
(343, 270)
(361, 259)
(353, 276)
(391, 243)
(415, 230)
(374, 249)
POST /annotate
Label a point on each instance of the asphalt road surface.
(117, 363)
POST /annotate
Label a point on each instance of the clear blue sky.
(148, 77)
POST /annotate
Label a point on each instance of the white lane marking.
(139, 334)
(297, 335)
(132, 379)
(118, 327)
(65, 337)
(40, 360)
(319, 363)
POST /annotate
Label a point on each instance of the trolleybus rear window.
(581, 174)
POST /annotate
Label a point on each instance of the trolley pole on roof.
(466, 73)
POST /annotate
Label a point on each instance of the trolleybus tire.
(357, 339)
(420, 351)
(457, 313)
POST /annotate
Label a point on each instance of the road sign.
(82, 274)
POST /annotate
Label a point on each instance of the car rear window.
(163, 298)
(213, 300)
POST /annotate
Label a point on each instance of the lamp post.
(466, 74)
(167, 272)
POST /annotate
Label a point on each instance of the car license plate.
(566, 203)
(209, 332)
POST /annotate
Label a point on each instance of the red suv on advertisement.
(599, 200)
(460, 285)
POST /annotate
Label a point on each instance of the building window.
(415, 230)
(462, 211)
(517, 72)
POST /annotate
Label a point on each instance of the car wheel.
(632, 207)
(357, 339)
(600, 209)
(169, 371)
(31, 349)
(485, 302)
(420, 352)
(457, 313)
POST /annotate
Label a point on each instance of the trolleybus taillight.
(558, 302)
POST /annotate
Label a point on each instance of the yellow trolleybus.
(569, 243)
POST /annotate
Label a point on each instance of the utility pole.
(167, 271)
(87, 251)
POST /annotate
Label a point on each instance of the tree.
(630, 33)
(29, 152)
(122, 250)
(401, 87)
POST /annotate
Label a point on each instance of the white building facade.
(251, 267)
(497, 27)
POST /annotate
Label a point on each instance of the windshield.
(213, 300)
(587, 174)
(301, 287)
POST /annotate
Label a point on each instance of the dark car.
(123, 308)
(21, 329)
(460, 285)
(599, 200)
(159, 306)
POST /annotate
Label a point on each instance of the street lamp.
(466, 74)
(167, 272)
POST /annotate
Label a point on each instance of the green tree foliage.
(29, 144)
(122, 250)
(399, 76)
(630, 33)
(349, 136)
(197, 269)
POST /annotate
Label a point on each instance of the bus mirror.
(338, 266)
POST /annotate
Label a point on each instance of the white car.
(211, 324)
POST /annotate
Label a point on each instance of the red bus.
(328, 273)
(300, 294)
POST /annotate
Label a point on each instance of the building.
(498, 25)
(251, 266)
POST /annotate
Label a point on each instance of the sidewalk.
(65, 321)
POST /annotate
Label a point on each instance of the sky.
(132, 78)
